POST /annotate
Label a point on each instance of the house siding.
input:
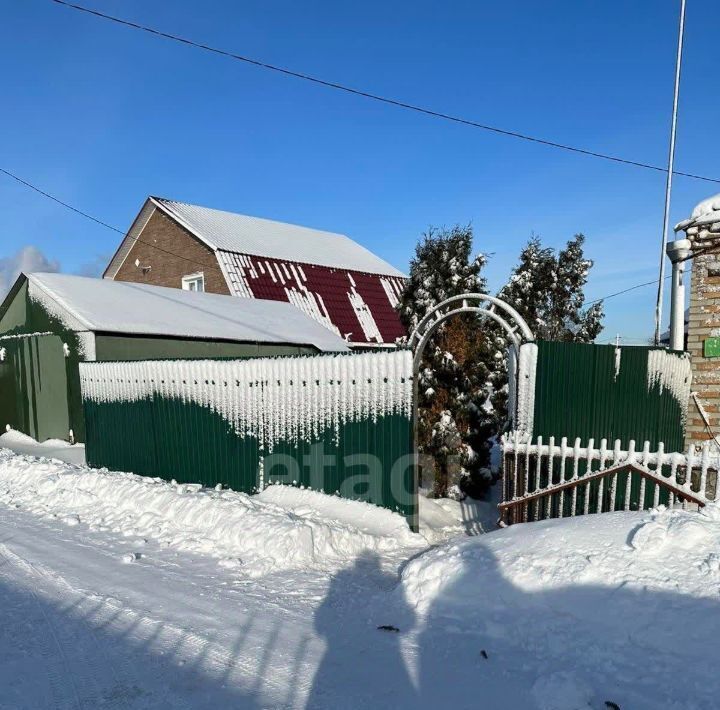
(124, 347)
(172, 252)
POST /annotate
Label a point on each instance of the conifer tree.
(547, 289)
(455, 424)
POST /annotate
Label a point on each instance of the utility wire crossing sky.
(375, 97)
(364, 94)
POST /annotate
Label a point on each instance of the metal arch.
(420, 348)
(477, 300)
(470, 303)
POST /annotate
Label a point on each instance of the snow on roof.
(227, 231)
(103, 305)
(706, 215)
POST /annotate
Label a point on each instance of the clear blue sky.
(102, 116)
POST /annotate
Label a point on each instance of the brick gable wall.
(172, 252)
(345, 301)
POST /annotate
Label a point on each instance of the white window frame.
(197, 280)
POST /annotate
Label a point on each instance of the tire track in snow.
(50, 649)
(190, 652)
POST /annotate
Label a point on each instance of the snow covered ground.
(123, 592)
(52, 448)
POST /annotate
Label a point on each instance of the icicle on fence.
(230, 421)
(291, 398)
(556, 479)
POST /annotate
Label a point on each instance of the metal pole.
(671, 165)
(678, 252)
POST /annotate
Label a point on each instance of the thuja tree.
(455, 417)
(547, 289)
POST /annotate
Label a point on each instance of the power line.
(95, 219)
(375, 97)
(60, 202)
(198, 263)
(626, 290)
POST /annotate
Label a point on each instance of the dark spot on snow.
(388, 627)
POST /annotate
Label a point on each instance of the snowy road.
(82, 629)
(174, 632)
(85, 628)
(115, 603)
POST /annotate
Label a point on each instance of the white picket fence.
(543, 480)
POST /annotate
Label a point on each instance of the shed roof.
(239, 233)
(102, 305)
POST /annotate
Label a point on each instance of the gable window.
(194, 282)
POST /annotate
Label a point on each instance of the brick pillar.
(704, 323)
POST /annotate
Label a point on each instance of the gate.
(34, 386)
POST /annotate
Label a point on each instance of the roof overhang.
(132, 236)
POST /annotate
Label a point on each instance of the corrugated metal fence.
(574, 396)
(336, 423)
(603, 392)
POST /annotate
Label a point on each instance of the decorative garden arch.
(484, 306)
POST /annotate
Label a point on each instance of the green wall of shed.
(45, 400)
(128, 347)
(40, 387)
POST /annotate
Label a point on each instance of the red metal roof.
(356, 305)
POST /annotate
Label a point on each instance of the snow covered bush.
(547, 290)
(454, 422)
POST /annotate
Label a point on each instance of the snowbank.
(51, 449)
(665, 550)
(279, 529)
(612, 610)
(444, 518)
(355, 515)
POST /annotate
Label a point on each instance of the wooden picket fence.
(550, 480)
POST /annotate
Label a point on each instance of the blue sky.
(102, 116)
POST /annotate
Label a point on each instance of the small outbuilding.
(49, 323)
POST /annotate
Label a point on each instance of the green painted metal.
(369, 457)
(174, 439)
(22, 317)
(34, 387)
(590, 392)
(580, 392)
(711, 347)
(127, 347)
(169, 438)
(178, 420)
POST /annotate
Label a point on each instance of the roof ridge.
(165, 200)
(222, 230)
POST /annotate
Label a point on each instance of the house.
(49, 323)
(328, 276)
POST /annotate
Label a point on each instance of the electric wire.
(197, 263)
(372, 96)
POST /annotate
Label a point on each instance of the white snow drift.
(620, 607)
(278, 529)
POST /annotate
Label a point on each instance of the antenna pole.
(668, 185)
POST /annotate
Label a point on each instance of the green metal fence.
(599, 392)
(336, 423)
(582, 406)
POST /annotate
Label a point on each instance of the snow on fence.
(337, 423)
(550, 480)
